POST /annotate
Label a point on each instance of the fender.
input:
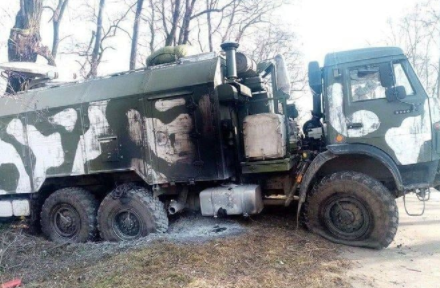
(373, 152)
(345, 149)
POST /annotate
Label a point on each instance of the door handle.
(354, 125)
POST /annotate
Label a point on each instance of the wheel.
(133, 214)
(69, 215)
(353, 209)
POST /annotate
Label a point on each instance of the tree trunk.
(184, 31)
(57, 18)
(134, 41)
(152, 27)
(24, 40)
(94, 63)
(438, 80)
(208, 16)
(25, 35)
(171, 37)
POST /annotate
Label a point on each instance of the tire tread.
(142, 195)
(377, 192)
(76, 195)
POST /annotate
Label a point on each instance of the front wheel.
(353, 209)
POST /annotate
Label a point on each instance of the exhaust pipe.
(231, 62)
(175, 207)
(179, 204)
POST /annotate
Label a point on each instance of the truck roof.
(336, 58)
(186, 73)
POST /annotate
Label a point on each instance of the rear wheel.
(69, 215)
(129, 213)
(353, 209)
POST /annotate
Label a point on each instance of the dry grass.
(270, 254)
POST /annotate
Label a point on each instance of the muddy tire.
(69, 215)
(129, 213)
(353, 209)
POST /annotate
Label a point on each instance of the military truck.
(115, 156)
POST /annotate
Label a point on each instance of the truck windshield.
(402, 77)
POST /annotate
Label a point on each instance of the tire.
(352, 209)
(134, 214)
(69, 215)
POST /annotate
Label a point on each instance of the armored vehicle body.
(118, 154)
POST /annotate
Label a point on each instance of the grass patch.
(270, 254)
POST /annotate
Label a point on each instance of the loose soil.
(265, 251)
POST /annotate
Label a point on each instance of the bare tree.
(187, 17)
(176, 17)
(57, 18)
(210, 22)
(24, 44)
(171, 33)
(135, 38)
(433, 12)
(152, 27)
(92, 52)
(209, 5)
(98, 51)
(280, 41)
(418, 34)
(167, 22)
(149, 16)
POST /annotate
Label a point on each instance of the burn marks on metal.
(161, 139)
(179, 131)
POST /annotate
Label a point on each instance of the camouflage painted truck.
(117, 155)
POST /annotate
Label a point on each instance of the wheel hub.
(66, 220)
(127, 225)
(346, 217)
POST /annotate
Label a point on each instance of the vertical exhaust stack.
(231, 63)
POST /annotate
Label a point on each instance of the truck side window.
(402, 78)
(365, 83)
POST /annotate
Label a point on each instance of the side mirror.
(395, 93)
(386, 72)
(315, 77)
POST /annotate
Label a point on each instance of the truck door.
(400, 127)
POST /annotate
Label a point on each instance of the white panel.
(5, 209)
(21, 208)
(264, 136)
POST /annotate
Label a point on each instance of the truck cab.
(373, 101)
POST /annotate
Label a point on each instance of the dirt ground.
(412, 260)
(265, 251)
